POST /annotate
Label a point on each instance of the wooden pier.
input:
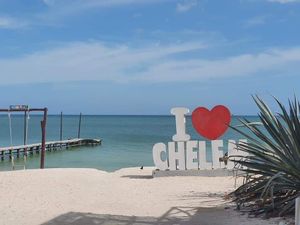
(30, 149)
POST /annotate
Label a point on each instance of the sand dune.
(127, 196)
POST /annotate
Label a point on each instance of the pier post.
(79, 126)
(25, 133)
(25, 127)
(43, 150)
(61, 127)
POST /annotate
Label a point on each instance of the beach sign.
(185, 154)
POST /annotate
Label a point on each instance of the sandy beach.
(127, 196)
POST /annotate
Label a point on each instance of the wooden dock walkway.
(51, 145)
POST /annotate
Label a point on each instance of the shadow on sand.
(138, 176)
(176, 215)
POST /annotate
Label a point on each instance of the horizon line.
(40, 114)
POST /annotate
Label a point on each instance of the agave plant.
(272, 165)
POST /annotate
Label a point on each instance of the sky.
(147, 56)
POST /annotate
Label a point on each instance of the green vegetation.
(272, 167)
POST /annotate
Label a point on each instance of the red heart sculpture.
(211, 124)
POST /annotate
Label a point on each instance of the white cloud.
(284, 1)
(11, 23)
(186, 5)
(84, 4)
(49, 2)
(255, 21)
(272, 62)
(86, 61)
(62, 8)
(97, 61)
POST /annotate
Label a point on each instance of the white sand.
(127, 196)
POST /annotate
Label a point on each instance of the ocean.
(127, 141)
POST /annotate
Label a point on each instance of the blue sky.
(146, 56)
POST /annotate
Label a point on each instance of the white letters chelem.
(186, 154)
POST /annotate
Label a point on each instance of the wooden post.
(297, 211)
(61, 127)
(79, 125)
(25, 133)
(25, 127)
(43, 150)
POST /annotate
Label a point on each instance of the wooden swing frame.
(26, 110)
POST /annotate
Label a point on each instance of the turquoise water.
(127, 140)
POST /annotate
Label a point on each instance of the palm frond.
(273, 161)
